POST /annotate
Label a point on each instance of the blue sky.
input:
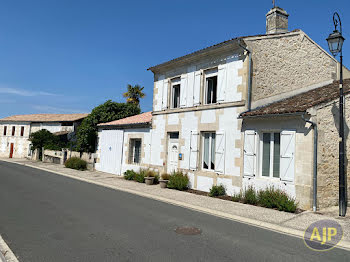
(68, 56)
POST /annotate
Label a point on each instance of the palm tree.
(134, 94)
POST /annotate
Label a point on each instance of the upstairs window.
(135, 151)
(270, 155)
(208, 151)
(175, 90)
(22, 130)
(5, 130)
(13, 130)
(211, 83)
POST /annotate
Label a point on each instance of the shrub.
(178, 181)
(140, 176)
(217, 191)
(76, 163)
(250, 196)
(237, 197)
(276, 198)
(129, 175)
(150, 173)
(165, 176)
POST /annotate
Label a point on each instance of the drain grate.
(189, 231)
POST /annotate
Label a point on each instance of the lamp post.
(335, 42)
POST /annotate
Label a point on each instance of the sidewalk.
(294, 224)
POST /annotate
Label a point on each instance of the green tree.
(107, 112)
(44, 138)
(134, 94)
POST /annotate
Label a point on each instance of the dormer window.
(211, 83)
(175, 91)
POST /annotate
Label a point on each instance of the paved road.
(47, 217)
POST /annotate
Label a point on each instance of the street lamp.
(335, 43)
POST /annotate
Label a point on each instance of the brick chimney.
(276, 21)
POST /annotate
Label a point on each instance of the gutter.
(272, 115)
(314, 126)
(250, 76)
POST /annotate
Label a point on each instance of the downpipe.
(314, 126)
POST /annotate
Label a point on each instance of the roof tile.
(144, 118)
(301, 102)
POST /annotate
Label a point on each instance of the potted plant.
(150, 176)
(163, 182)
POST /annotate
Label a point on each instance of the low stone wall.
(60, 157)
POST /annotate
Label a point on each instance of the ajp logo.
(323, 235)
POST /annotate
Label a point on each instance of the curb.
(265, 225)
(9, 256)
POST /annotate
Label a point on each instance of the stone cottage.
(15, 130)
(206, 118)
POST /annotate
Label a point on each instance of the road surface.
(48, 217)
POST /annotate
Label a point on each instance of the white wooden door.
(111, 151)
(173, 152)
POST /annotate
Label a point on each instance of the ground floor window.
(270, 157)
(208, 151)
(135, 151)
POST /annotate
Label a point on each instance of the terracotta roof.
(300, 103)
(45, 118)
(144, 118)
(213, 47)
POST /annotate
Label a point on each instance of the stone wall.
(287, 62)
(328, 152)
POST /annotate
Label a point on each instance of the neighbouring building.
(233, 114)
(15, 131)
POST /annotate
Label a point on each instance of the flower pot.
(163, 183)
(149, 180)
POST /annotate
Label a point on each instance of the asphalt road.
(47, 217)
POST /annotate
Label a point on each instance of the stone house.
(15, 130)
(206, 118)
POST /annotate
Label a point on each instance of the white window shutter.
(249, 158)
(287, 156)
(197, 88)
(183, 88)
(159, 98)
(190, 87)
(221, 83)
(194, 150)
(220, 152)
(165, 94)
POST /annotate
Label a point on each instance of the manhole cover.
(188, 231)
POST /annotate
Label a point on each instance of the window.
(208, 151)
(135, 151)
(270, 155)
(22, 130)
(13, 130)
(175, 90)
(211, 83)
(5, 130)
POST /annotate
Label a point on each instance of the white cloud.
(21, 92)
(56, 110)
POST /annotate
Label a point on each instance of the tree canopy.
(107, 112)
(44, 138)
(134, 94)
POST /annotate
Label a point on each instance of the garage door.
(111, 142)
